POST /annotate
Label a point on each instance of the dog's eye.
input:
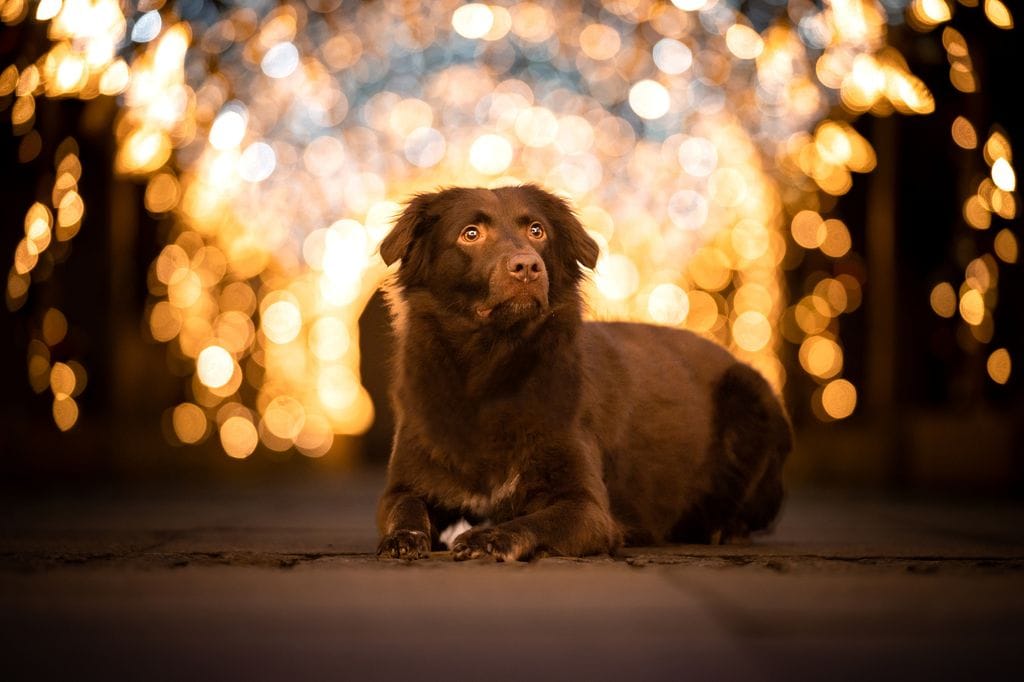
(536, 231)
(470, 233)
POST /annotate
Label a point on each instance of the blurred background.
(193, 193)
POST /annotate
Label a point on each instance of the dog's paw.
(494, 543)
(404, 544)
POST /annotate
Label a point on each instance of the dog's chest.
(487, 503)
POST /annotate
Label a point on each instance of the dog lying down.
(566, 437)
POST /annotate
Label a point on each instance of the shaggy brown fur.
(569, 437)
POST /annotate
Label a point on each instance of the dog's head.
(493, 256)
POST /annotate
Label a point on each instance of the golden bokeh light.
(62, 381)
(976, 213)
(743, 41)
(162, 193)
(600, 42)
(703, 315)
(981, 274)
(996, 147)
(13, 11)
(1005, 246)
(821, 357)
(55, 327)
(668, 304)
(281, 146)
(1003, 175)
(943, 300)
(964, 134)
(190, 423)
(8, 80)
(285, 418)
(316, 436)
(751, 331)
(65, 412)
(999, 365)
(972, 307)
(839, 398)
(39, 369)
(281, 321)
(48, 9)
(837, 242)
(81, 377)
(929, 13)
(165, 321)
(616, 277)
(23, 111)
(238, 437)
(491, 154)
(999, 14)
(808, 229)
(215, 366)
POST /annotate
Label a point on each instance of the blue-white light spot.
(257, 162)
(280, 61)
(147, 27)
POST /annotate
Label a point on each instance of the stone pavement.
(276, 580)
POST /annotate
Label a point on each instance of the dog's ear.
(409, 225)
(580, 245)
(583, 247)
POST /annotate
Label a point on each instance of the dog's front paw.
(496, 543)
(405, 544)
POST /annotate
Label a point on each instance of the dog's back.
(693, 441)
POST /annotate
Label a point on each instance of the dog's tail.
(751, 438)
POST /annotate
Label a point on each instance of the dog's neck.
(473, 359)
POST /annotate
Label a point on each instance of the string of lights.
(703, 147)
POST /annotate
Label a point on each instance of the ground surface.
(277, 580)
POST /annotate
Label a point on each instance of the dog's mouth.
(520, 306)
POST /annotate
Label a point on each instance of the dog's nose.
(525, 267)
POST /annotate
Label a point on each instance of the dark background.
(928, 416)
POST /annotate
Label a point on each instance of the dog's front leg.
(404, 524)
(575, 526)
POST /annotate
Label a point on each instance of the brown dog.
(568, 436)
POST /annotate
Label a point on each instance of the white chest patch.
(453, 531)
(483, 505)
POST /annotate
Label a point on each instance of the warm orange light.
(600, 42)
(999, 365)
(1006, 246)
(999, 14)
(215, 366)
(238, 437)
(972, 307)
(943, 299)
(964, 134)
(839, 398)
(264, 286)
(189, 423)
(1003, 175)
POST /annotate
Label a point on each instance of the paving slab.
(277, 579)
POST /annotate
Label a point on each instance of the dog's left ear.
(580, 245)
(583, 246)
(412, 220)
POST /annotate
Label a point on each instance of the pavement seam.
(148, 559)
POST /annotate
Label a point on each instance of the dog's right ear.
(410, 224)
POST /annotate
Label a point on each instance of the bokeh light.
(999, 365)
(839, 398)
(703, 147)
